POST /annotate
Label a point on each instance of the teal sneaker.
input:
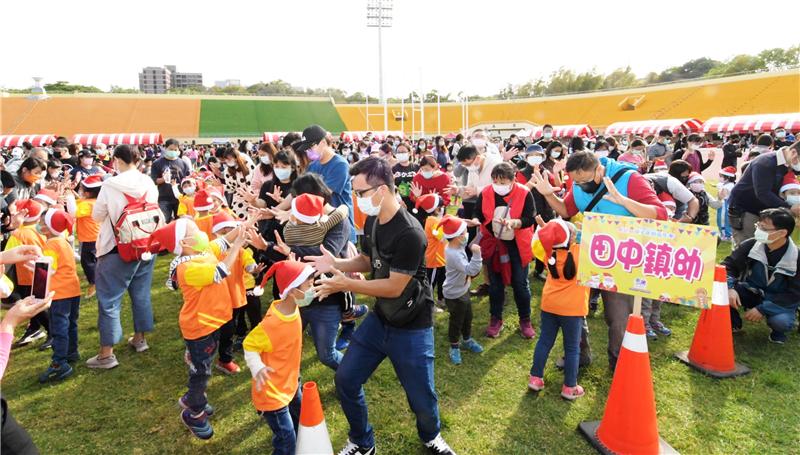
(455, 355)
(56, 372)
(472, 345)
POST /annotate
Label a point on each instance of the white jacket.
(111, 201)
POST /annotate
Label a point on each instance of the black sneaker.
(777, 337)
(480, 291)
(355, 449)
(438, 446)
(30, 336)
(48, 343)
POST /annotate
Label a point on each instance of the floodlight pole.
(379, 11)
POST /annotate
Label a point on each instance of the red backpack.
(132, 230)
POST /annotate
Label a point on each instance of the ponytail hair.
(569, 271)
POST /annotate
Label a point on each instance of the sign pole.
(637, 305)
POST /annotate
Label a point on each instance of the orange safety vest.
(286, 336)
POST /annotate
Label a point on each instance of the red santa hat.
(34, 209)
(93, 181)
(59, 221)
(288, 275)
(667, 200)
(728, 171)
(222, 220)
(308, 208)
(554, 234)
(216, 193)
(450, 227)
(47, 196)
(428, 202)
(695, 177)
(202, 200)
(167, 237)
(789, 182)
(660, 165)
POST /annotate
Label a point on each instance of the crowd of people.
(315, 215)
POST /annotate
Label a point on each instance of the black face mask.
(683, 180)
(589, 187)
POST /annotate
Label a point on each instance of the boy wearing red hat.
(66, 301)
(28, 212)
(458, 275)
(273, 349)
(564, 304)
(87, 228)
(201, 278)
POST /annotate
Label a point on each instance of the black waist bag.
(401, 310)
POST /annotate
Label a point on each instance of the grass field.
(232, 118)
(484, 404)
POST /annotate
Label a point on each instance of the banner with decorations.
(661, 260)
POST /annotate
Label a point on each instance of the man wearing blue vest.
(602, 185)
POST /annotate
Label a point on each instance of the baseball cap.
(312, 135)
(534, 148)
(85, 153)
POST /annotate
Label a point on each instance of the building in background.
(155, 79)
(228, 83)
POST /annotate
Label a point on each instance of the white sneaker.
(354, 449)
(106, 363)
(140, 346)
(438, 446)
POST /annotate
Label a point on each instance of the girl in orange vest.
(272, 352)
(564, 304)
(66, 301)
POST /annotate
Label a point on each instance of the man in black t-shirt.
(401, 327)
(178, 170)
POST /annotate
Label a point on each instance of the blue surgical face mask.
(171, 154)
(282, 173)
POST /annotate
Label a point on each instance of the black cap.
(85, 153)
(312, 135)
(534, 148)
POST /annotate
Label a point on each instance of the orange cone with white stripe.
(712, 346)
(629, 422)
(312, 437)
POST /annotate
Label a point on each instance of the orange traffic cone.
(629, 422)
(312, 437)
(712, 346)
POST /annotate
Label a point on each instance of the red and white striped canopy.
(648, 127)
(273, 136)
(118, 138)
(37, 140)
(753, 123)
(565, 131)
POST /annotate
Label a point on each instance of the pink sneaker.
(536, 383)
(495, 326)
(526, 329)
(571, 393)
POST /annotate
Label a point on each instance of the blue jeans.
(571, 327)
(723, 222)
(519, 284)
(411, 354)
(117, 277)
(169, 209)
(64, 328)
(284, 424)
(324, 321)
(201, 355)
(780, 319)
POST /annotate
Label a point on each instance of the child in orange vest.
(66, 302)
(29, 211)
(206, 307)
(434, 253)
(239, 281)
(564, 304)
(208, 202)
(186, 198)
(273, 350)
(88, 228)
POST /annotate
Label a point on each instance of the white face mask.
(780, 134)
(479, 142)
(534, 160)
(601, 153)
(265, 159)
(693, 146)
(796, 166)
(761, 236)
(502, 190)
(282, 173)
(426, 174)
(555, 155)
(793, 199)
(547, 135)
(367, 207)
(230, 163)
(697, 187)
(402, 157)
(189, 190)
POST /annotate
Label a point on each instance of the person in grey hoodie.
(115, 276)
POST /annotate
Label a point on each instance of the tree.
(118, 89)
(66, 87)
(740, 64)
(620, 78)
(692, 69)
(780, 58)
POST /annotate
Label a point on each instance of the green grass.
(239, 118)
(484, 404)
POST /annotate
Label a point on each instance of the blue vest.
(582, 199)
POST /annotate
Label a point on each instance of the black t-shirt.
(179, 170)
(402, 181)
(730, 154)
(402, 243)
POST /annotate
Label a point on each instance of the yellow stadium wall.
(68, 115)
(750, 94)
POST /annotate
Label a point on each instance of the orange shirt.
(87, 227)
(565, 297)
(186, 206)
(278, 340)
(206, 303)
(205, 223)
(358, 217)
(434, 253)
(237, 280)
(25, 235)
(64, 282)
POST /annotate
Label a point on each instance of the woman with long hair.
(263, 172)
(238, 173)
